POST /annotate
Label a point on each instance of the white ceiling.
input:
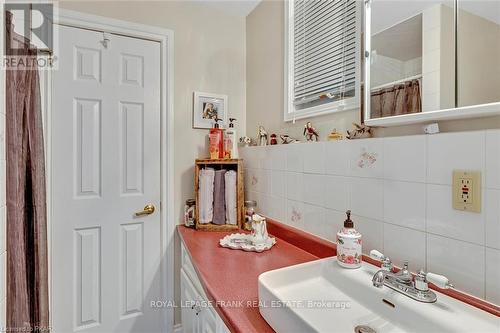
(233, 7)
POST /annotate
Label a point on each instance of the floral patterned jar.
(349, 245)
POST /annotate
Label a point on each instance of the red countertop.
(231, 275)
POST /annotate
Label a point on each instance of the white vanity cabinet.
(196, 314)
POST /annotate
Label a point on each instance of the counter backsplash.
(399, 190)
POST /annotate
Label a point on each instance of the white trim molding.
(464, 112)
(473, 111)
(166, 39)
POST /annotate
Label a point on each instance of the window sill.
(330, 108)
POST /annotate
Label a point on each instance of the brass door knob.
(148, 209)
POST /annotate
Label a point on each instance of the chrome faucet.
(403, 281)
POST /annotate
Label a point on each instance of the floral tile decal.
(366, 159)
(296, 215)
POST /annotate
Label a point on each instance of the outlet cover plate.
(467, 190)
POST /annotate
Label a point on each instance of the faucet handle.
(440, 281)
(377, 255)
(386, 262)
(422, 279)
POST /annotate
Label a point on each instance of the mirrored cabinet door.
(478, 52)
(412, 58)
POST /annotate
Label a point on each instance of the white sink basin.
(320, 296)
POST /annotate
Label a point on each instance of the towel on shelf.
(206, 195)
(231, 212)
(219, 195)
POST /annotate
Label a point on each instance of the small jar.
(189, 220)
(249, 211)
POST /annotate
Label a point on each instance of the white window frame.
(290, 113)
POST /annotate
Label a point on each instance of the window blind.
(324, 54)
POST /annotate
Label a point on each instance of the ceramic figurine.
(262, 136)
(286, 139)
(310, 132)
(246, 141)
(259, 230)
(359, 132)
(274, 140)
(335, 136)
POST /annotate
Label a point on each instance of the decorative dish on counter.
(244, 242)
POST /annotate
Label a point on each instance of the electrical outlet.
(467, 190)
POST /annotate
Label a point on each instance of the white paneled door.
(105, 144)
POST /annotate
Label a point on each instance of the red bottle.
(216, 145)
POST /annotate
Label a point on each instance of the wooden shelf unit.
(228, 164)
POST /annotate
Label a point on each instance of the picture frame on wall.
(207, 107)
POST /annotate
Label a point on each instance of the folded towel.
(206, 195)
(219, 194)
(231, 214)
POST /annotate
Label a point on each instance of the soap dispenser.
(349, 245)
(230, 141)
(216, 138)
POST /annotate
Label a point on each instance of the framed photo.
(207, 107)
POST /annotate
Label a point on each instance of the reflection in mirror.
(478, 52)
(412, 65)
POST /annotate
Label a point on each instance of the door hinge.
(105, 40)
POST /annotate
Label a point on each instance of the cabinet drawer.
(188, 268)
(207, 321)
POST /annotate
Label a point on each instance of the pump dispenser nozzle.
(216, 124)
(348, 222)
(231, 125)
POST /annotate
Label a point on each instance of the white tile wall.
(405, 158)
(294, 213)
(493, 159)
(336, 158)
(463, 263)
(314, 220)
(462, 150)
(492, 218)
(366, 158)
(277, 183)
(492, 275)
(372, 231)
(412, 249)
(314, 158)
(399, 190)
(367, 197)
(313, 187)
(443, 220)
(404, 204)
(294, 157)
(337, 192)
(294, 186)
